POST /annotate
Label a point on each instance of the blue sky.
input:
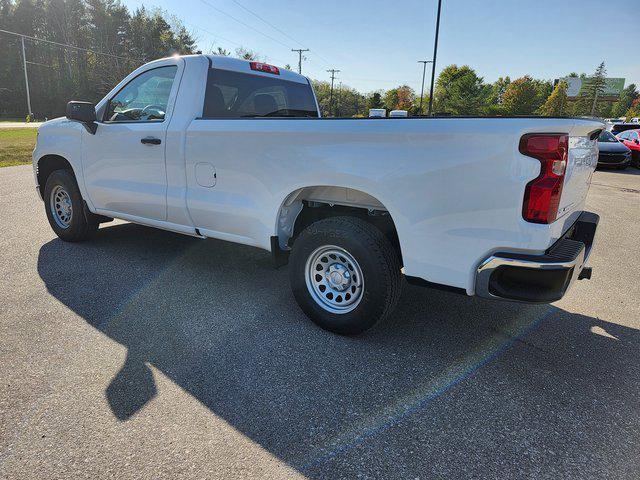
(377, 43)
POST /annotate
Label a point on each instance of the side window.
(623, 136)
(143, 99)
(633, 136)
(232, 94)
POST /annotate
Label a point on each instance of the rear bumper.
(540, 278)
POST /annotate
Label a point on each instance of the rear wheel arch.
(307, 205)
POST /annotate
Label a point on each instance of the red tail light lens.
(542, 195)
(263, 67)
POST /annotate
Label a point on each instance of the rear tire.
(345, 274)
(65, 209)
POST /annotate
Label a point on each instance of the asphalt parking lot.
(146, 354)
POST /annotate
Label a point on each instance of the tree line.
(57, 74)
(460, 91)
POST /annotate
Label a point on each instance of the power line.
(50, 42)
(214, 35)
(217, 36)
(278, 29)
(73, 47)
(267, 22)
(398, 81)
(245, 24)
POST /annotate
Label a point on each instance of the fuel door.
(205, 174)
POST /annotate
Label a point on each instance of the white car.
(216, 147)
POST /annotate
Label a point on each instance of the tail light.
(542, 195)
(263, 67)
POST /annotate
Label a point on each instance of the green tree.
(349, 102)
(544, 88)
(592, 88)
(57, 74)
(390, 99)
(400, 98)
(627, 97)
(520, 97)
(459, 91)
(220, 52)
(556, 104)
(634, 110)
(406, 98)
(497, 89)
(246, 54)
(375, 100)
(322, 89)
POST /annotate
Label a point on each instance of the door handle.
(150, 141)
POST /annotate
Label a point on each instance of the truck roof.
(244, 66)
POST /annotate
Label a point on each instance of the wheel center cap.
(338, 277)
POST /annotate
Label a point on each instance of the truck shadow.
(219, 321)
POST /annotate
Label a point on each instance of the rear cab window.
(232, 94)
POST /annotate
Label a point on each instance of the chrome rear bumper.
(540, 278)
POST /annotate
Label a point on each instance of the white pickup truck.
(216, 147)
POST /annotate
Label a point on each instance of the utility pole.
(26, 78)
(424, 71)
(300, 50)
(333, 72)
(435, 54)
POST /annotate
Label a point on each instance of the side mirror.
(83, 112)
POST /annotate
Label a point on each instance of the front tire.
(345, 274)
(65, 208)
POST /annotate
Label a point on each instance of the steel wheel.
(334, 279)
(61, 208)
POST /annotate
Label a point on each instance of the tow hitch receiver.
(585, 273)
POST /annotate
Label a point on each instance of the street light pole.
(424, 71)
(435, 53)
(26, 78)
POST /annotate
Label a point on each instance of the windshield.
(607, 136)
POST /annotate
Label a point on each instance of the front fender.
(61, 138)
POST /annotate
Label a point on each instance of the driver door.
(124, 162)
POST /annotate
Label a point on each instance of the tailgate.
(581, 163)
